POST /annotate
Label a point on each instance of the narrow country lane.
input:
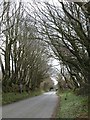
(37, 107)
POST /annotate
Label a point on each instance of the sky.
(56, 67)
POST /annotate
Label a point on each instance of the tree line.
(66, 28)
(29, 31)
(24, 59)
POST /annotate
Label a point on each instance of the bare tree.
(65, 29)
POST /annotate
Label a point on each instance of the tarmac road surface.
(37, 107)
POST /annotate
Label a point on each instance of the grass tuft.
(72, 106)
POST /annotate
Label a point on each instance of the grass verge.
(8, 98)
(73, 107)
